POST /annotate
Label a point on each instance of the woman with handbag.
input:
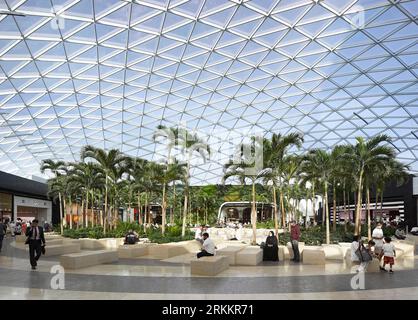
(365, 255)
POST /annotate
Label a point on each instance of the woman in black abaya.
(271, 249)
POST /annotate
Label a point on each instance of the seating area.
(313, 255)
(249, 256)
(134, 250)
(88, 258)
(61, 249)
(165, 251)
(209, 266)
(230, 252)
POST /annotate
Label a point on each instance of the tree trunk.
(164, 207)
(183, 228)
(327, 213)
(359, 200)
(139, 209)
(105, 208)
(276, 222)
(369, 224)
(76, 208)
(254, 216)
(345, 209)
(282, 209)
(173, 209)
(306, 212)
(334, 211)
(146, 211)
(93, 222)
(315, 218)
(80, 220)
(87, 210)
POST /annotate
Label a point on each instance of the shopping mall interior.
(208, 149)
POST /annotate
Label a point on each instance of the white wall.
(34, 203)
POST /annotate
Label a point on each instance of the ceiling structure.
(108, 72)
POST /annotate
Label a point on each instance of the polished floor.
(148, 278)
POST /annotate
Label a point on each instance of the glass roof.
(108, 72)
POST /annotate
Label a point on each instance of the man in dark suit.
(36, 240)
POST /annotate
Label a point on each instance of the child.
(388, 253)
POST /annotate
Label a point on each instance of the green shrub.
(269, 224)
(172, 234)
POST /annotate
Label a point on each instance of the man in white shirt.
(208, 247)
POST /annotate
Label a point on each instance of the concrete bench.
(284, 253)
(333, 252)
(52, 236)
(407, 247)
(91, 244)
(60, 249)
(344, 247)
(230, 252)
(88, 258)
(411, 238)
(249, 256)
(111, 243)
(301, 246)
(133, 250)
(20, 238)
(165, 251)
(54, 242)
(209, 266)
(313, 255)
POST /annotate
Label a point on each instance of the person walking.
(3, 229)
(294, 238)
(388, 253)
(36, 241)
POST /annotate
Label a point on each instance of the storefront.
(26, 199)
(28, 209)
(6, 206)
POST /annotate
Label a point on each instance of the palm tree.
(191, 143)
(290, 171)
(243, 167)
(57, 168)
(338, 168)
(274, 152)
(90, 177)
(138, 171)
(320, 163)
(365, 155)
(108, 162)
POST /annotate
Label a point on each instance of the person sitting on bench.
(131, 237)
(208, 247)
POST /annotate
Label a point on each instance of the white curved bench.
(209, 266)
(88, 258)
(313, 255)
(249, 256)
(230, 252)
